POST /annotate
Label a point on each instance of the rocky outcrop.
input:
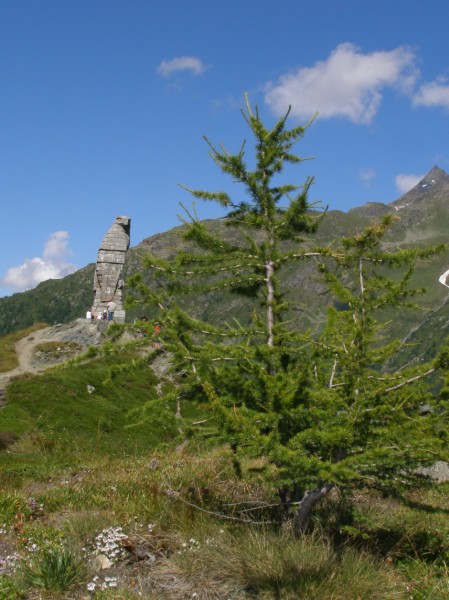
(439, 471)
(49, 346)
(81, 332)
(110, 260)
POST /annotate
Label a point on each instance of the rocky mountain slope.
(423, 218)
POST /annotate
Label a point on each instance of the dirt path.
(81, 333)
(24, 349)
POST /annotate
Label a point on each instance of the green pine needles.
(321, 413)
(249, 260)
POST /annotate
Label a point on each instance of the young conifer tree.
(317, 412)
(368, 426)
(248, 258)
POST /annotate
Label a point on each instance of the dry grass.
(268, 564)
(56, 351)
(177, 546)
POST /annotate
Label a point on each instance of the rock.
(161, 365)
(101, 562)
(437, 472)
(82, 332)
(425, 409)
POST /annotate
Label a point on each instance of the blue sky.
(103, 106)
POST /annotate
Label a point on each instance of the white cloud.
(435, 93)
(181, 63)
(404, 182)
(53, 264)
(347, 84)
(367, 175)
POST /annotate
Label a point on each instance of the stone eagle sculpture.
(110, 260)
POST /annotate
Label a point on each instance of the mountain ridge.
(423, 218)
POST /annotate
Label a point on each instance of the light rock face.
(110, 260)
(437, 472)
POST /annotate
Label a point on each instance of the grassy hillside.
(86, 408)
(99, 500)
(60, 301)
(53, 301)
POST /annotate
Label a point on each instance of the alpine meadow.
(270, 422)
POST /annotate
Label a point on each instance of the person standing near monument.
(111, 308)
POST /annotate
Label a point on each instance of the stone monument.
(110, 260)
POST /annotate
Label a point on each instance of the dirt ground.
(84, 333)
(25, 350)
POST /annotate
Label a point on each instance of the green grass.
(89, 409)
(202, 553)
(9, 589)
(155, 500)
(8, 356)
(97, 450)
(53, 569)
(270, 564)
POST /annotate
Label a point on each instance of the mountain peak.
(435, 182)
(435, 175)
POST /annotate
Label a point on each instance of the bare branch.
(334, 368)
(411, 380)
(172, 494)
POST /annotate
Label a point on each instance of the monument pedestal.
(119, 315)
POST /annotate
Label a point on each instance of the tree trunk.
(304, 512)
(270, 298)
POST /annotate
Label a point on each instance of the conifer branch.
(411, 380)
